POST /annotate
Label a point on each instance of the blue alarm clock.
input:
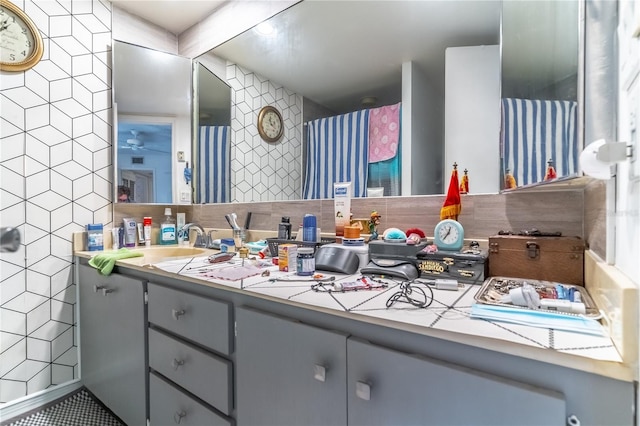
(449, 235)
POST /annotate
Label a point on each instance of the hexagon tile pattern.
(262, 171)
(55, 136)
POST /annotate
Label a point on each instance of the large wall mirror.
(212, 131)
(152, 101)
(541, 91)
(296, 67)
(397, 54)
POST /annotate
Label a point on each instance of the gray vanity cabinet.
(112, 342)
(389, 387)
(191, 375)
(288, 373)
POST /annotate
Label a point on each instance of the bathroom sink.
(155, 254)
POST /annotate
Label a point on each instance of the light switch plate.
(181, 156)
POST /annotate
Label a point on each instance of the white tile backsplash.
(13, 357)
(38, 349)
(38, 283)
(60, 26)
(12, 284)
(40, 381)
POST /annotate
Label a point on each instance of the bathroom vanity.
(185, 350)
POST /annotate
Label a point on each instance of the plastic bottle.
(309, 231)
(168, 228)
(94, 237)
(284, 229)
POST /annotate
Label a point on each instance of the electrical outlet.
(181, 156)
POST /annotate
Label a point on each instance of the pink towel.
(384, 132)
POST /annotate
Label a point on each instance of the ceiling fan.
(136, 143)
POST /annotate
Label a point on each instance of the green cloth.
(104, 262)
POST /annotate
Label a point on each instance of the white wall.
(56, 176)
(472, 115)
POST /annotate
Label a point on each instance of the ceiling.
(173, 15)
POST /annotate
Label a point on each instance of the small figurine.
(373, 225)
(551, 171)
(509, 180)
(464, 183)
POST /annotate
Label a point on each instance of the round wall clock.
(20, 41)
(270, 124)
(449, 235)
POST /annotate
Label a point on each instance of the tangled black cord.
(413, 295)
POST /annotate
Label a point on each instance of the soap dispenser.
(168, 228)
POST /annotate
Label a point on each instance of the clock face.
(270, 124)
(20, 43)
(449, 235)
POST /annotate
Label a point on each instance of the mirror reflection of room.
(421, 78)
(540, 140)
(152, 95)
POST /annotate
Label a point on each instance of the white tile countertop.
(449, 311)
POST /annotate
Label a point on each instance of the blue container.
(226, 244)
(309, 228)
(95, 239)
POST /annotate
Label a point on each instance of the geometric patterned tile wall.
(262, 171)
(55, 177)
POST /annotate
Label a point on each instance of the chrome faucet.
(201, 239)
(9, 239)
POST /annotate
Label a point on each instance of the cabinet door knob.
(177, 363)
(106, 291)
(363, 391)
(177, 417)
(176, 314)
(319, 373)
(97, 287)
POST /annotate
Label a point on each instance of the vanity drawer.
(169, 406)
(200, 319)
(205, 375)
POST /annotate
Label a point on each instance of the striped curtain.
(215, 164)
(337, 151)
(536, 131)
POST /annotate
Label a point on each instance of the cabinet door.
(112, 342)
(288, 373)
(387, 387)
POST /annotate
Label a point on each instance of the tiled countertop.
(447, 317)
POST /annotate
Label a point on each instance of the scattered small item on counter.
(412, 295)
(266, 273)
(233, 273)
(221, 257)
(416, 231)
(394, 235)
(362, 283)
(244, 252)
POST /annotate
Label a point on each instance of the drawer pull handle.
(177, 417)
(176, 363)
(319, 373)
(104, 289)
(176, 314)
(363, 391)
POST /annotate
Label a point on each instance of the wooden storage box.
(558, 259)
